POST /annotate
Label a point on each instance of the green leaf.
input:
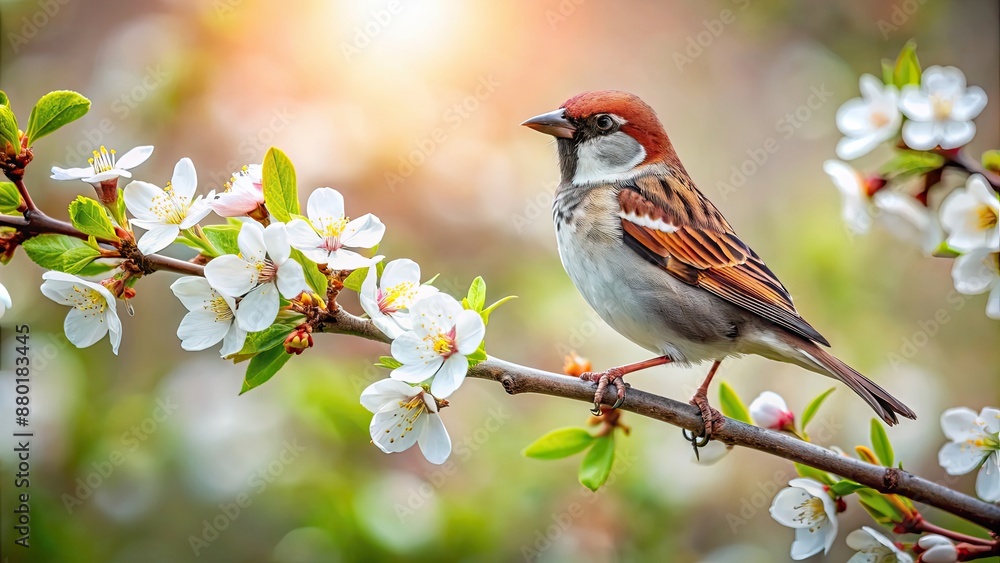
(10, 198)
(263, 366)
(354, 280)
(49, 251)
(887, 72)
(477, 357)
(731, 404)
(316, 279)
(909, 163)
(4, 101)
(845, 487)
(560, 443)
(813, 407)
(280, 192)
(223, 238)
(76, 259)
(54, 110)
(815, 474)
(991, 161)
(96, 268)
(477, 294)
(8, 130)
(881, 444)
(388, 362)
(485, 313)
(907, 69)
(597, 464)
(266, 339)
(90, 217)
(883, 511)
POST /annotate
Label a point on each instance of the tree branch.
(958, 158)
(520, 379)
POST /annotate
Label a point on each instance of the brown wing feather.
(700, 248)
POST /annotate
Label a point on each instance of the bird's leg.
(709, 416)
(614, 377)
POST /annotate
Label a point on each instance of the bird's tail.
(879, 399)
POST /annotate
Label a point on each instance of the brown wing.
(681, 231)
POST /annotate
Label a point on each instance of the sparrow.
(661, 265)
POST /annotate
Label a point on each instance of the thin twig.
(520, 379)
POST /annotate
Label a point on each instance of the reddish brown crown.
(641, 121)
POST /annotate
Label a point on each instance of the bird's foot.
(711, 419)
(612, 376)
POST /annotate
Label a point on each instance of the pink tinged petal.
(916, 104)
(959, 458)
(71, 173)
(808, 542)
(369, 294)
(258, 309)
(200, 329)
(234, 340)
(417, 373)
(342, 259)
(325, 205)
(956, 134)
(469, 331)
(158, 238)
(450, 377)
(392, 430)
(84, 328)
(400, 271)
(849, 148)
(988, 480)
(230, 275)
(971, 272)
(386, 392)
(134, 157)
(920, 135)
(434, 441)
(291, 279)
(783, 507)
(234, 204)
(139, 200)
(276, 242)
(959, 424)
(251, 241)
(364, 232)
(110, 174)
(185, 179)
(969, 104)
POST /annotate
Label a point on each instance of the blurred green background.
(411, 109)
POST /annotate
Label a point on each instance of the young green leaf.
(263, 366)
(485, 313)
(316, 279)
(907, 69)
(54, 110)
(731, 404)
(991, 161)
(89, 216)
(597, 464)
(883, 511)
(815, 474)
(560, 443)
(4, 101)
(388, 362)
(266, 339)
(845, 487)
(477, 357)
(10, 198)
(477, 294)
(354, 280)
(48, 250)
(223, 238)
(280, 191)
(887, 72)
(75, 260)
(8, 130)
(881, 444)
(813, 407)
(910, 163)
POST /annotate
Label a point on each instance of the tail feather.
(879, 399)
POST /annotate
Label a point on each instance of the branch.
(519, 379)
(961, 160)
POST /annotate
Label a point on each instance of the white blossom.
(868, 121)
(387, 301)
(328, 234)
(93, 312)
(405, 415)
(211, 317)
(5, 302)
(806, 507)
(163, 212)
(244, 194)
(978, 272)
(938, 549)
(940, 109)
(974, 444)
(970, 216)
(105, 166)
(769, 410)
(873, 547)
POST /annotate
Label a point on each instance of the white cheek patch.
(608, 159)
(649, 223)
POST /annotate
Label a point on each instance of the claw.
(697, 441)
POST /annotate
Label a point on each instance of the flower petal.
(369, 294)
(384, 392)
(185, 179)
(921, 135)
(784, 507)
(134, 157)
(849, 148)
(808, 542)
(388, 326)
(71, 173)
(364, 232)
(469, 331)
(141, 198)
(916, 104)
(969, 104)
(959, 458)
(993, 303)
(956, 134)
(400, 271)
(276, 242)
(114, 327)
(200, 329)
(325, 206)
(193, 292)
(971, 272)
(158, 238)
(417, 373)
(450, 377)
(258, 309)
(251, 241)
(291, 279)
(959, 424)
(84, 329)
(434, 441)
(342, 259)
(234, 340)
(988, 480)
(230, 275)
(392, 430)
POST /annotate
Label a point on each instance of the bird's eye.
(605, 123)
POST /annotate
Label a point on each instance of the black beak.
(553, 123)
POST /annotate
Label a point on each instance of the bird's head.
(606, 136)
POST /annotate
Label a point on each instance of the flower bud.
(769, 410)
(299, 340)
(938, 549)
(575, 365)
